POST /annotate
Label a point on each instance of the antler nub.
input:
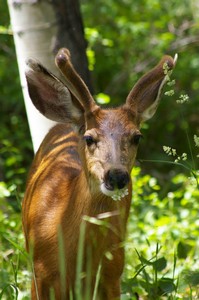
(73, 81)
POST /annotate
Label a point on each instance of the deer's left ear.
(145, 95)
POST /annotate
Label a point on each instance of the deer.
(81, 174)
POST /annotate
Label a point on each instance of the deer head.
(108, 138)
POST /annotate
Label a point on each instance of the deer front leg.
(42, 290)
(110, 290)
(111, 273)
(39, 291)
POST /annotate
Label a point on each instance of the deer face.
(110, 145)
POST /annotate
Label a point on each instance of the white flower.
(196, 140)
(182, 99)
(119, 194)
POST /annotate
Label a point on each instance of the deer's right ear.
(50, 96)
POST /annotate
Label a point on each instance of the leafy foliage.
(14, 277)
(162, 244)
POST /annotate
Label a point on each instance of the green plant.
(14, 276)
(166, 220)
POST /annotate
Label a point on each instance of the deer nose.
(116, 179)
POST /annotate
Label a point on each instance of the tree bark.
(40, 28)
(71, 35)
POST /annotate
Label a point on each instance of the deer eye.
(89, 140)
(136, 138)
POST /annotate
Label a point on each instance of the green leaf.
(160, 264)
(183, 250)
(191, 277)
(166, 285)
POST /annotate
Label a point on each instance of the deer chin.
(116, 194)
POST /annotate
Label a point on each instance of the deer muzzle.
(115, 183)
(116, 179)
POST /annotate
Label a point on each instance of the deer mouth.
(115, 194)
(115, 183)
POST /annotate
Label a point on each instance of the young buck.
(81, 175)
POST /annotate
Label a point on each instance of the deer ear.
(74, 82)
(50, 96)
(145, 95)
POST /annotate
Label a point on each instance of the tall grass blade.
(88, 275)
(62, 262)
(97, 282)
(78, 283)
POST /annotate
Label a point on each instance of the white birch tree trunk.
(34, 27)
